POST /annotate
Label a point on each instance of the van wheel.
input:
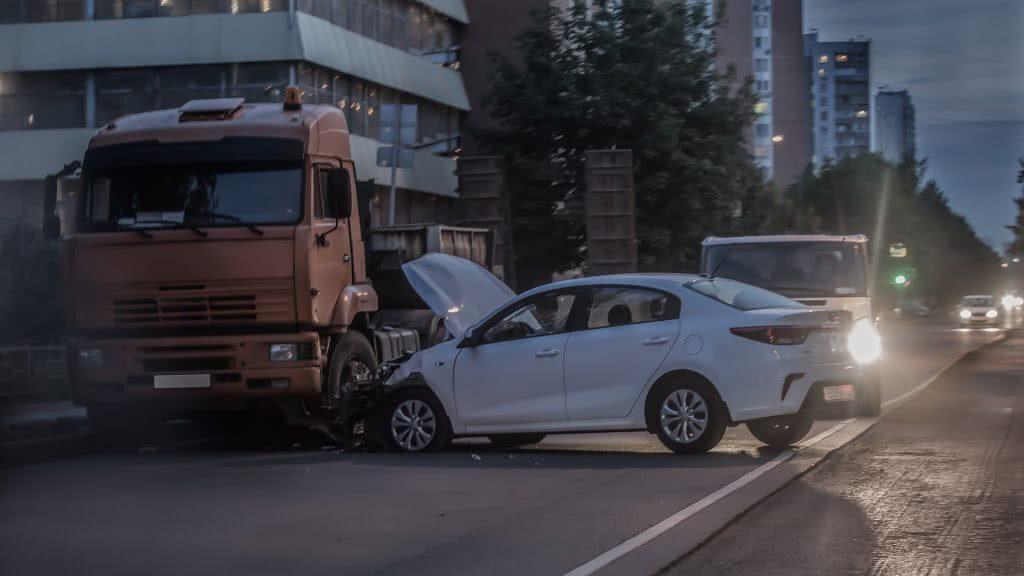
(416, 422)
(687, 416)
(506, 441)
(781, 431)
(352, 362)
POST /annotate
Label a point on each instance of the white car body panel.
(599, 378)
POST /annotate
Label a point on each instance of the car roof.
(768, 239)
(650, 280)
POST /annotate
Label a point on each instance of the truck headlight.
(965, 314)
(284, 352)
(91, 358)
(864, 342)
(991, 314)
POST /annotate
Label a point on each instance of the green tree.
(635, 74)
(1017, 244)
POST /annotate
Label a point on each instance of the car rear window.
(740, 295)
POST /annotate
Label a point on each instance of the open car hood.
(458, 290)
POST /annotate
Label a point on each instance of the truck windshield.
(794, 269)
(189, 196)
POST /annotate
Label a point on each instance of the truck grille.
(193, 358)
(200, 305)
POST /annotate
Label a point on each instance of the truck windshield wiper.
(232, 218)
(171, 223)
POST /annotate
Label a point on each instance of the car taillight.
(779, 335)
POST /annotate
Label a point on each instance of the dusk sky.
(963, 63)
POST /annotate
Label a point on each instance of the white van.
(820, 271)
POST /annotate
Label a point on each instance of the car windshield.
(200, 195)
(795, 269)
(978, 301)
(740, 295)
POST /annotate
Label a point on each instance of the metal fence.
(33, 373)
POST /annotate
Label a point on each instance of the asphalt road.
(934, 488)
(207, 507)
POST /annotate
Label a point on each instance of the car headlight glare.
(91, 358)
(991, 314)
(284, 352)
(965, 314)
(864, 342)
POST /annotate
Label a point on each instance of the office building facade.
(895, 129)
(68, 67)
(763, 40)
(840, 80)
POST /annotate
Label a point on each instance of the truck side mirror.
(340, 193)
(51, 227)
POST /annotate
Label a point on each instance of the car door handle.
(656, 341)
(548, 353)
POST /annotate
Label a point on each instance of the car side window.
(619, 306)
(539, 316)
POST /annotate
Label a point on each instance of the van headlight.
(284, 352)
(965, 314)
(991, 314)
(864, 342)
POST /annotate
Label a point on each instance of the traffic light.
(902, 277)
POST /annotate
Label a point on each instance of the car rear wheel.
(687, 416)
(506, 441)
(416, 422)
(781, 431)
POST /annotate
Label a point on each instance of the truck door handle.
(655, 341)
(548, 353)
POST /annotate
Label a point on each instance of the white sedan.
(681, 356)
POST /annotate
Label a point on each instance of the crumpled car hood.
(457, 290)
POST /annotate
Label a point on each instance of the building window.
(823, 59)
(762, 130)
(760, 65)
(842, 58)
(42, 100)
(823, 102)
(761, 108)
(821, 72)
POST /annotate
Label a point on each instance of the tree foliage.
(635, 74)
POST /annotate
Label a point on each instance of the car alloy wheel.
(413, 425)
(684, 416)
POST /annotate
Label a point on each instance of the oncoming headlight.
(965, 314)
(864, 342)
(991, 314)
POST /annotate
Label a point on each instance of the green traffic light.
(900, 280)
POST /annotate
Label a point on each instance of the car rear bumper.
(238, 369)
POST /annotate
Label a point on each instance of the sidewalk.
(30, 421)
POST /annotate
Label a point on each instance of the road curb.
(671, 546)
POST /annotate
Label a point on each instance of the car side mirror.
(340, 194)
(51, 227)
(470, 339)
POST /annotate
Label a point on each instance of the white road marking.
(667, 524)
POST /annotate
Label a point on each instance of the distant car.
(978, 309)
(681, 356)
(912, 309)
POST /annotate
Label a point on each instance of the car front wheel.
(689, 417)
(781, 431)
(416, 422)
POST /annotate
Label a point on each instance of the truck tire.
(352, 359)
(781, 431)
(506, 441)
(869, 398)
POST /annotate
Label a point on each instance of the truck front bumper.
(216, 371)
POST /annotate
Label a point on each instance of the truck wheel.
(687, 415)
(352, 362)
(869, 397)
(506, 441)
(781, 431)
(416, 422)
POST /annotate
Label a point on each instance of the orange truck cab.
(219, 260)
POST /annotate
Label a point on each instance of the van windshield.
(168, 196)
(978, 301)
(794, 269)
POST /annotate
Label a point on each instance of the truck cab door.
(331, 258)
